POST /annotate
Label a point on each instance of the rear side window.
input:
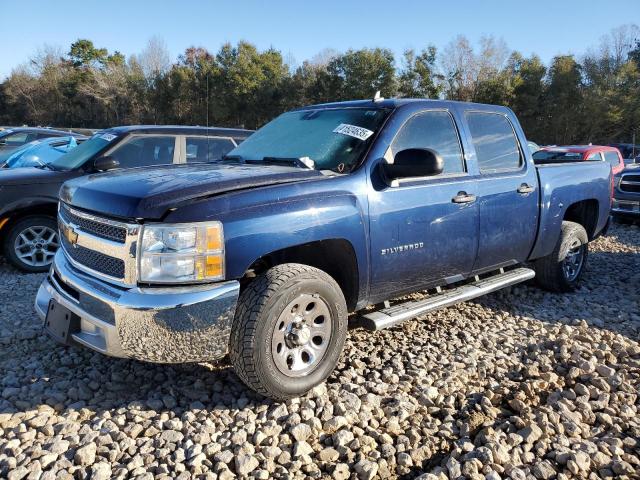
(144, 150)
(207, 149)
(435, 130)
(612, 158)
(495, 141)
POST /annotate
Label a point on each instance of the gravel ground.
(521, 384)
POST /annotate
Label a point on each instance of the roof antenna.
(377, 97)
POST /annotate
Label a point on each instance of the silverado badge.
(402, 248)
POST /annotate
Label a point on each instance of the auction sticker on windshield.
(107, 136)
(353, 131)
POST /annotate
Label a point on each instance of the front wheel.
(561, 270)
(289, 330)
(31, 243)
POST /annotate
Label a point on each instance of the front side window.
(145, 150)
(434, 130)
(612, 158)
(333, 138)
(595, 157)
(495, 142)
(207, 149)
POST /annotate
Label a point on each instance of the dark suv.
(29, 196)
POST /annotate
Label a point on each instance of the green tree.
(418, 77)
(84, 54)
(564, 100)
(528, 95)
(358, 74)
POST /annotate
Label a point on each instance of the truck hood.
(31, 176)
(149, 192)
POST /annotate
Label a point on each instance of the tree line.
(591, 98)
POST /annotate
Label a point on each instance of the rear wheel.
(288, 331)
(31, 243)
(562, 269)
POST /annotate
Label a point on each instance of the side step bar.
(392, 316)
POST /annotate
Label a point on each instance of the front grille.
(101, 263)
(630, 183)
(102, 230)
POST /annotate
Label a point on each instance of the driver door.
(424, 231)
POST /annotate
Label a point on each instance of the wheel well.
(13, 216)
(585, 213)
(335, 257)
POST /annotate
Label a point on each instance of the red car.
(581, 153)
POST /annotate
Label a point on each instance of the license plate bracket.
(61, 322)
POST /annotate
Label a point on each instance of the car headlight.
(177, 253)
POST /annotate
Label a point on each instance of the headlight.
(181, 253)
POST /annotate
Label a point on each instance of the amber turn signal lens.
(214, 238)
(214, 266)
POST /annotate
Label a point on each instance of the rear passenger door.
(508, 191)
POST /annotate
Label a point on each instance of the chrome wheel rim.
(572, 263)
(35, 246)
(301, 335)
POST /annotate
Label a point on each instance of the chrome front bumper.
(162, 325)
(626, 207)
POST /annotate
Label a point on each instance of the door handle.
(463, 197)
(524, 189)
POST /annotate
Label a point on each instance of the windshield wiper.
(231, 158)
(302, 162)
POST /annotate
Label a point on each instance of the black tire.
(551, 273)
(21, 226)
(261, 307)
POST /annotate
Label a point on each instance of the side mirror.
(3, 143)
(103, 164)
(414, 162)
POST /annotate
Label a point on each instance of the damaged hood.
(149, 192)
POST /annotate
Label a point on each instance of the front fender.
(9, 203)
(257, 231)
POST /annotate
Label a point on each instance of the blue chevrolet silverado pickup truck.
(326, 210)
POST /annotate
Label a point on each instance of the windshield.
(79, 155)
(6, 157)
(550, 156)
(333, 139)
(41, 152)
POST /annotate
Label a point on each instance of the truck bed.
(563, 185)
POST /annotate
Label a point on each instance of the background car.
(12, 138)
(626, 195)
(561, 154)
(533, 146)
(39, 152)
(29, 196)
(630, 152)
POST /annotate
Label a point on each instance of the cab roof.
(392, 103)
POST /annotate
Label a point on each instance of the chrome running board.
(392, 316)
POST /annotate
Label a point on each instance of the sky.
(300, 29)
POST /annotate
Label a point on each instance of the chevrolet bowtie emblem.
(70, 234)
